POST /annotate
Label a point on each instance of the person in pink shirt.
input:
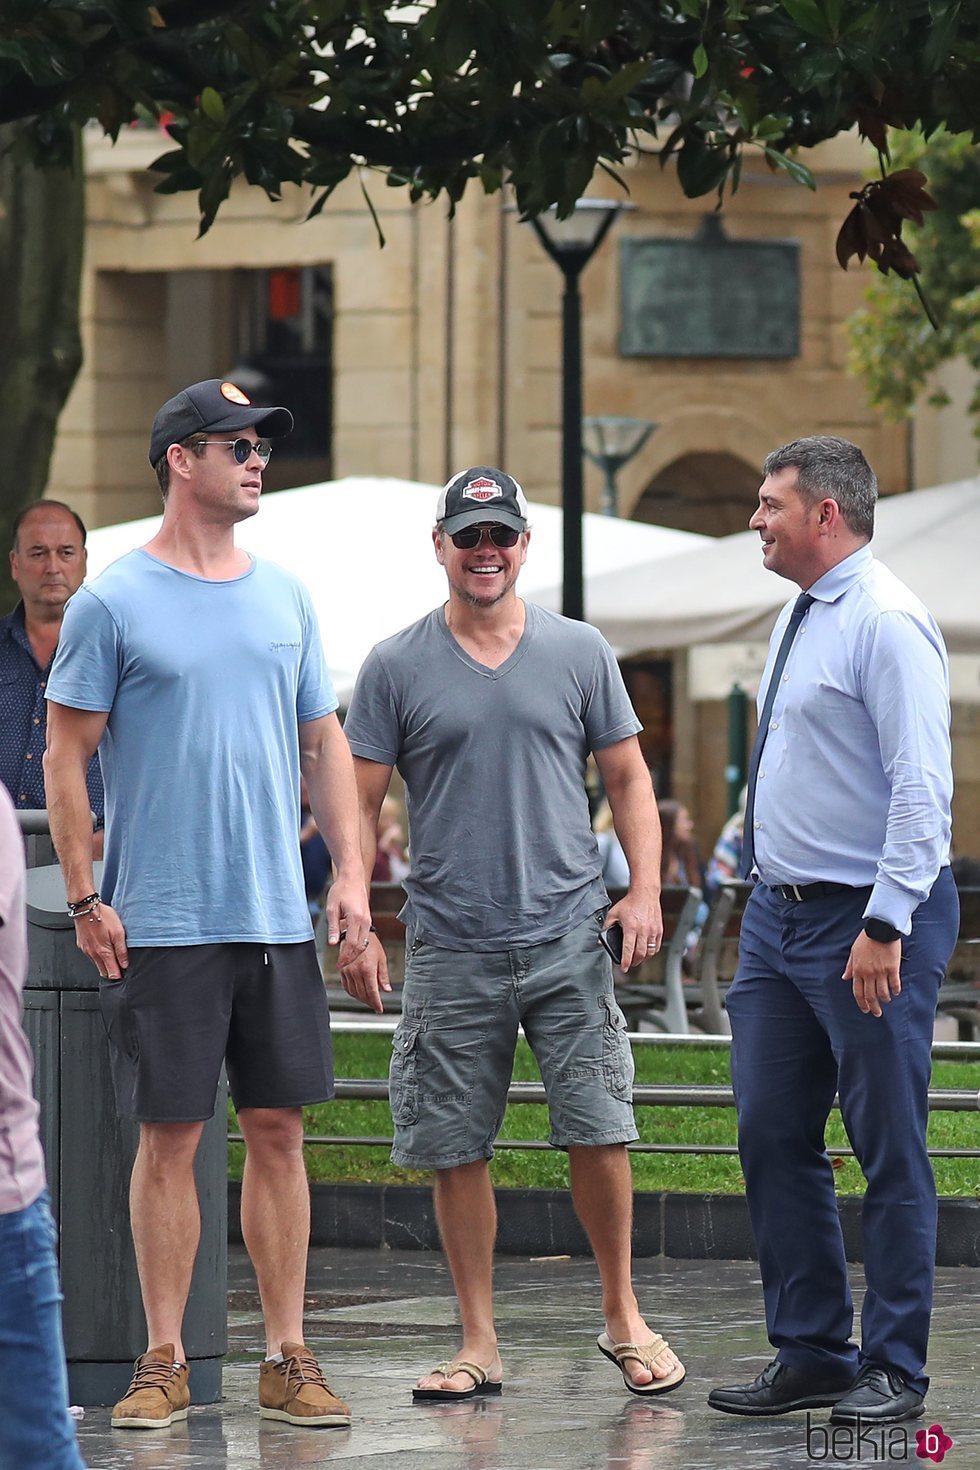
(36, 1431)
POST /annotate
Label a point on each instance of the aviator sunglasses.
(503, 536)
(242, 448)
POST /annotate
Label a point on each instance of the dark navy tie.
(792, 627)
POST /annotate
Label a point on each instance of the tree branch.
(183, 14)
(23, 98)
(389, 149)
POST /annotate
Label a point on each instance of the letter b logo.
(932, 1443)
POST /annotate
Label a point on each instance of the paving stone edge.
(541, 1222)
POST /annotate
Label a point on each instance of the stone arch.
(710, 492)
(700, 471)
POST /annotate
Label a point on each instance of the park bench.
(654, 994)
(718, 957)
(658, 994)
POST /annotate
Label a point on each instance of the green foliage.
(41, 233)
(367, 1056)
(892, 346)
(537, 93)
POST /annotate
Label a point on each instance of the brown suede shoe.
(295, 1390)
(158, 1394)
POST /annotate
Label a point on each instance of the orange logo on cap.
(233, 394)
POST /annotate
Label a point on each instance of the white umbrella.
(721, 592)
(362, 547)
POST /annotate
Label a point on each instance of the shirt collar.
(843, 576)
(14, 625)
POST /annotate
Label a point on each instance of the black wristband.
(82, 906)
(881, 932)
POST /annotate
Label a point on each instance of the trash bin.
(38, 847)
(89, 1153)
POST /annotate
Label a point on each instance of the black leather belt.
(800, 892)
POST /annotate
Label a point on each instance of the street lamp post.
(571, 243)
(610, 440)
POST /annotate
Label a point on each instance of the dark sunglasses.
(500, 536)
(243, 448)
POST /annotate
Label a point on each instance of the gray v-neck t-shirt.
(493, 760)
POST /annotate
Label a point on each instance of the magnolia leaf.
(212, 106)
(796, 170)
(808, 16)
(371, 209)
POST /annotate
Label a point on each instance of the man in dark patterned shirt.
(47, 562)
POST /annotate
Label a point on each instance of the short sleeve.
(88, 664)
(372, 726)
(609, 715)
(315, 694)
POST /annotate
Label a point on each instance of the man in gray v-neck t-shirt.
(493, 760)
(489, 707)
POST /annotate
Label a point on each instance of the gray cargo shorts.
(453, 1052)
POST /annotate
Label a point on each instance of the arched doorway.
(714, 493)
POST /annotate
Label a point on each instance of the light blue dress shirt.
(856, 780)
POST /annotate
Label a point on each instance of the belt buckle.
(791, 892)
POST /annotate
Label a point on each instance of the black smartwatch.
(881, 932)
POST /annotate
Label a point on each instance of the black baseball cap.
(213, 406)
(481, 494)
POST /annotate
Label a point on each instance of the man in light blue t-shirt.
(490, 708)
(196, 670)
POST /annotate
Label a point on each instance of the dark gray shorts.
(181, 1011)
(453, 1052)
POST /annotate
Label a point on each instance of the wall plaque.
(710, 296)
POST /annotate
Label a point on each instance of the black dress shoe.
(879, 1396)
(779, 1389)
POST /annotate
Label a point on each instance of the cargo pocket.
(403, 1082)
(617, 1054)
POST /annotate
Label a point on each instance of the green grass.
(367, 1056)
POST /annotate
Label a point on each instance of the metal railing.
(353, 1025)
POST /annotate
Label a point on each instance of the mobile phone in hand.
(611, 940)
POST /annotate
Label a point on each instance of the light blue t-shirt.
(205, 684)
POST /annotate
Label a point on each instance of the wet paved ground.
(378, 1320)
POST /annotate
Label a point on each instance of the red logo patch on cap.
(233, 394)
(482, 489)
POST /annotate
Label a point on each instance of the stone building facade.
(444, 349)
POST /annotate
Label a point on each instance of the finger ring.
(652, 948)
(364, 945)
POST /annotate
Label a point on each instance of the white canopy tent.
(720, 592)
(362, 547)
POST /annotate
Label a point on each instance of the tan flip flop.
(644, 1354)
(482, 1384)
